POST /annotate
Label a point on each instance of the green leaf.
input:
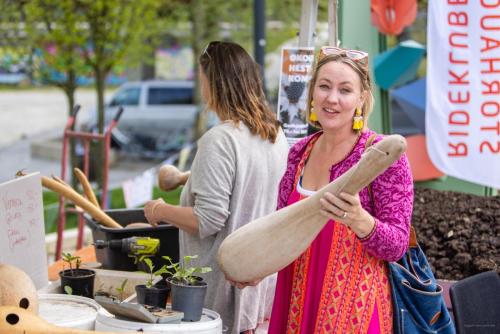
(149, 263)
(68, 290)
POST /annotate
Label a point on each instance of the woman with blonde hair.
(234, 179)
(340, 283)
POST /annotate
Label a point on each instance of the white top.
(304, 191)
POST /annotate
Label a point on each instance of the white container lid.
(210, 323)
(68, 310)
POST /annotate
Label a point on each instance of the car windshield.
(164, 95)
(126, 97)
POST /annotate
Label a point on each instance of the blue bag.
(418, 303)
(417, 300)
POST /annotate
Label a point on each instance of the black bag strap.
(413, 234)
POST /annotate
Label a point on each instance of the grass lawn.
(51, 205)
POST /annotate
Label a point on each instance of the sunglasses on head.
(207, 48)
(355, 55)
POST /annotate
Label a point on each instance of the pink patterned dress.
(340, 283)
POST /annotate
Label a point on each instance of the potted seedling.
(150, 294)
(121, 290)
(188, 289)
(76, 281)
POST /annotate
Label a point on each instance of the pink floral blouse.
(392, 202)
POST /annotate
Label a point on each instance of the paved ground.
(40, 114)
(26, 113)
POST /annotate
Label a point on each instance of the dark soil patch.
(460, 233)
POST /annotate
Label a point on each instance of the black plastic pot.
(154, 296)
(81, 281)
(188, 299)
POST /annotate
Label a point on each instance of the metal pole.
(308, 18)
(260, 35)
(333, 36)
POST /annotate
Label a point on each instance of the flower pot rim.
(83, 273)
(198, 284)
(153, 287)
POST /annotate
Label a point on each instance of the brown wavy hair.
(235, 89)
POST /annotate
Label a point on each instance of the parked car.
(158, 117)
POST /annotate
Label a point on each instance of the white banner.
(463, 89)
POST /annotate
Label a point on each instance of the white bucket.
(68, 311)
(210, 323)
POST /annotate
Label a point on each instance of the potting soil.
(460, 233)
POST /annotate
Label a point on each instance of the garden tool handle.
(80, 201)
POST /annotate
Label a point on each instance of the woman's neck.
(332, 141)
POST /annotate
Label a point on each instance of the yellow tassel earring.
(358, 122)
(313, 117)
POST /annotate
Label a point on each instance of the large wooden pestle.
(270, 243)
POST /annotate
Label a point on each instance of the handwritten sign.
(22, 230)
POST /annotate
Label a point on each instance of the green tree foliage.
(11, 31)
(114, 30)
(49, 29)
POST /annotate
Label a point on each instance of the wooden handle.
(270, 243)
(87, 188)
(80, 201)
(169, 177)
(15, 320)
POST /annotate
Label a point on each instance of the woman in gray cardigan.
(234, 179)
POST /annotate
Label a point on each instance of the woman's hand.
(241, 285)
(347, 209)
(149, 211)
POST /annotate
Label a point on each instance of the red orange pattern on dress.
(355, 281)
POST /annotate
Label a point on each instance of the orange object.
(392, 16)
(421, 165)
(86, 254)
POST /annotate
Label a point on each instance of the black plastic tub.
(115, 259)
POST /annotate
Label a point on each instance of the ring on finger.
(344, 216)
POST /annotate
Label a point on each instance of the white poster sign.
(296, 68)
(463, 89)
(22, 229)
(139, 190)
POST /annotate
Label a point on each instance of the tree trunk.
(148, 68)
(197, 17)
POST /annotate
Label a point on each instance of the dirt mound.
(460, 233)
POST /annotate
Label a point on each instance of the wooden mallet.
(169, 177)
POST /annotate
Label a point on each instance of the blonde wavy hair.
(236, 90)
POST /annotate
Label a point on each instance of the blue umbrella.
(398, 65)
(411, 99)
